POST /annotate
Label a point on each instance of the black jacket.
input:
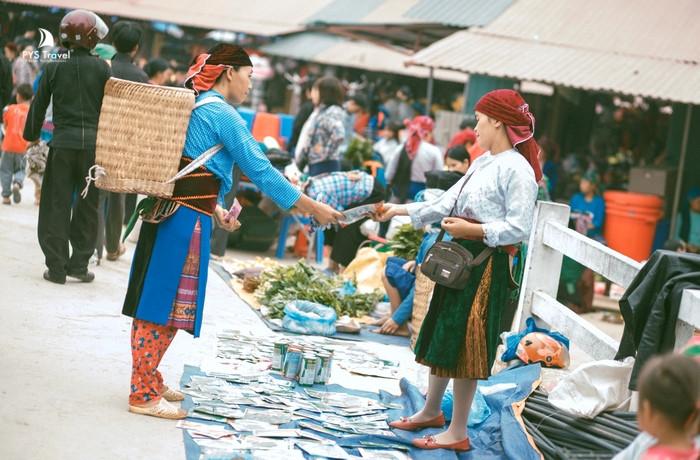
(304, 113)
(5, 81)
(124, 68)
(77, 87)
(650, 306)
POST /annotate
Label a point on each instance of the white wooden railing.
(550, 240)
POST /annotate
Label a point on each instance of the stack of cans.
(306, 366)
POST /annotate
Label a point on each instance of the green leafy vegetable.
(283, 284)
(406, 242)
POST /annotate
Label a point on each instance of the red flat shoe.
(405, 423)
(429, 443)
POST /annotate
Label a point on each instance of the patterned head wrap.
(508, 107)
(418, 129)
(207, 67)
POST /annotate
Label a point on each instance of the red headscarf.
(508, 107)
(462, 137)
(418, 129)
(207, 67)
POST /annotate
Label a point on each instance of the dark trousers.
(129, 206)
(64, 216)
(114, 221)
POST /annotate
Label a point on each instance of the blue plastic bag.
(513, 340)
(479, 412)
(309, 318)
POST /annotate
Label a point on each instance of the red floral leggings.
(149, 341)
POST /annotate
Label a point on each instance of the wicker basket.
(141, 136)
(421, 303)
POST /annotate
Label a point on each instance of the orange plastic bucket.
(630, 222)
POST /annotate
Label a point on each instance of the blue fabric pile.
(500, 436)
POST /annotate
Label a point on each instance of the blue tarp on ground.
(499, 437)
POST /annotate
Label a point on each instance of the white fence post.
(688, 317)
(542, 264)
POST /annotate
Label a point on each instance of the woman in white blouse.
(495, 203)
(415, 157)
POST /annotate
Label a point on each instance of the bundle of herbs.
(406, 241)
(358, 152)
(283, 284)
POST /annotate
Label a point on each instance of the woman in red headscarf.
(491, 207)
(406, 171)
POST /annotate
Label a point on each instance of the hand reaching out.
(220, 217)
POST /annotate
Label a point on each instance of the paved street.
(65, 362)
(65, 359)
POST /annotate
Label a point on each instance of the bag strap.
(454, 207)
(483, 255)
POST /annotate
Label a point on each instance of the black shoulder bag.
(448, 263)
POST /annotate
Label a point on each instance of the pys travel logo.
(46, 39)
(47, 50)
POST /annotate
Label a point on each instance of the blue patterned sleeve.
(247, 154)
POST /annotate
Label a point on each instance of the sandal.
(172, 395)
(405, 423)
(162, 409)
(429, 443)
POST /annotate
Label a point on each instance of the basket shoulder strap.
(208, 100)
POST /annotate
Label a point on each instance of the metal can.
(307, 374)
(321, 364)
(278, 353)
(292, 363)
(327, 366)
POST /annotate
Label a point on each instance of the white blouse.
(428, 158)
(501, 195)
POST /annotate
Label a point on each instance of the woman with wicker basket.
(493, 209)
(169, 271)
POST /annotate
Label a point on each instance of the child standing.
(669, 407)
(14, 146)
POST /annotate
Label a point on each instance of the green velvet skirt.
(460, 333)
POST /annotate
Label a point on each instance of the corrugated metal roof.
(460, 13)
(339, 51)
(666, 30)
(261, 17)
(480, 53)
(344, 11)
(304, 46)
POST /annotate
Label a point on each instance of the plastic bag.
(479, 412)
(593, 388)
(511, 340)
(309, 318)
(366, 270)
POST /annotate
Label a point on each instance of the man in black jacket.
(77, 87)
(126, 36)
(5, 79)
